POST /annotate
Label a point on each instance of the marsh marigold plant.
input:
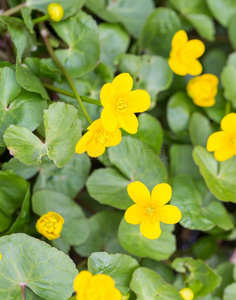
(50, 225)
(223, 143)
(150, 210)
(121, 103)
(97, 287)
(184, 54)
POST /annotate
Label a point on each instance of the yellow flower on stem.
(97, 287)
(97, 139)
(203, 89)
(149, 210)
(223, 143)
(50, 225)
(186, 294)
(184, 54)
(55, 12)
(120, 104)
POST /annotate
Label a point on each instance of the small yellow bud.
(50, 225)
(55, 12)
(0, 255)
(186, 294)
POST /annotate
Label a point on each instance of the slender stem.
(227, 107)
(71, 95)
(45, 33)
(13, 10)
(41, 19)
(23, 291)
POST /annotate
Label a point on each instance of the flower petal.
(95, 126)
(138, 192)
(210, 78)
(82, 280)
(194, 67)
(161, 193)
(177, 67)
(108, 95)
(204, 102)
(115, 138)
(139, 101)
(217, 140)
(179, 39)
(228, 123)
(129, 122)
(224, 153)
(123, 83)
(195, 47)
(150, 229)
(134, 214)
(169, 214)
(81, 146)
(109, 119)
(103, 280)
(113, 294)
(95, 149)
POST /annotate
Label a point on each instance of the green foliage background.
(39, 129)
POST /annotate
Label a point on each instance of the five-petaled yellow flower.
(203, 89)
(55, 12)
(120, 104)
(149, 210)
(97, 139)
(223, 143)
(97, 287)
(184, 54)
(50, 225)
(186, 294)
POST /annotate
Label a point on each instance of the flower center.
(233, 141)
(51, 225)
(102, 136)
(121, 103)
(150, 209)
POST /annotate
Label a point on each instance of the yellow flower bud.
(55, 12)
(0, 255)
(203, 89)
(186, 294)
(50, 225)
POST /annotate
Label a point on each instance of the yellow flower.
(223, 143)
(55, 12)
(149, 210)
(0, 255)
(203, 89)
(120, 104)
(184, 54)
(97, 139)
(50, 225)
(186, 294)
(97, 287)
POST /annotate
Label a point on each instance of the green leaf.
(132, 241)
(228, 77)
(230, 292)
(18, 107)
(203, 24)
(225, 270)
(217, 112)
(68, 180)
(83, 50)
(213, 61)
(132, 14)
(181, 161)
(187, 7)
(159, 30)
(76, 227)
(222, 10)
(179, 110)
(161, 268)
(103, 236)
(26, 15)
(199, 129)
(150, 73)
(132, 161)
(119, 266)
(69, 7)
(200, 210)
(219, 177)
(148, 285)
(49, 273)
(114, 40)
(20, 169)
(231, 30)
(205, 247)
(199, 273)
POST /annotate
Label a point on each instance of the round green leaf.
(26, 261)
(20, 169)
(222, 10)
(213, 61)
(132, 241)
(230, 292)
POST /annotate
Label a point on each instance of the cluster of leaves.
(95, 41)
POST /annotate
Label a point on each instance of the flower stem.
(71, 95)
(41, 19)
(227, 107)
(13, 10)
(45, 34)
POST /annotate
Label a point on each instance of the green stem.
(41, 19)
(13, 10)
(44, 33)
(71, 95)
(227, 107)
